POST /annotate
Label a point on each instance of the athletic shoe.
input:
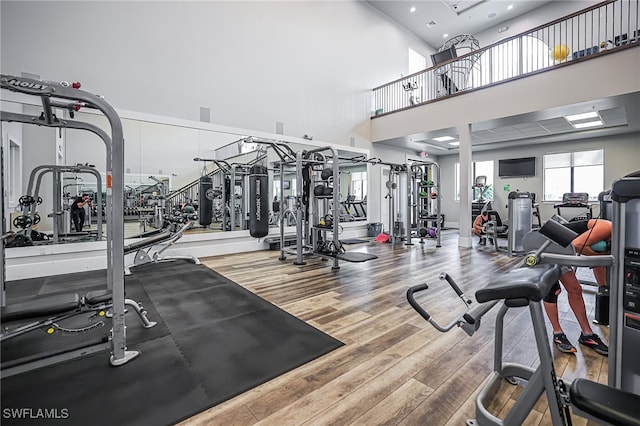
(424, 194)
(563, 344)
(594, 342)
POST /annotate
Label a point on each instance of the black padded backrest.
(495, 216)
(612, 405)
(41, 307)
(558, 233)
(523, 283)
(98, 296)
(533, 240)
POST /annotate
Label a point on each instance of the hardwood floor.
(394, 368)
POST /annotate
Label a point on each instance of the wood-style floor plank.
(395, 368)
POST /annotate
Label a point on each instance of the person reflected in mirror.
(187, 207)
(77, 211)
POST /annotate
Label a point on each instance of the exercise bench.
(47, 311)
(161, 242)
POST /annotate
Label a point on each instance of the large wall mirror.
(161, 176)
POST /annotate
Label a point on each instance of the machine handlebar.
(414, 304)
(454, 286)
(469, 321)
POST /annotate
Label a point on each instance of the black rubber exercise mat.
(214, 340)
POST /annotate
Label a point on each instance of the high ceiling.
(432, 19)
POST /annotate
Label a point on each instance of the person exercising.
(478, 226)
(77, 211)
(594, 239)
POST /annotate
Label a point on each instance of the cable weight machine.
(68, 96)
(425, 220)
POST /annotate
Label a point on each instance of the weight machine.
(399, 186)
(218, 199)
(424, 201)
(520, 205)
(316, 208)
(68, 96)
(309, 230)
(231, 207)
(526, 287)
(624, 338)
(60, 214)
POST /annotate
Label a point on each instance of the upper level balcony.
(469, 84)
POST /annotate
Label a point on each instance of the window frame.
(363, 185)
(593, 196)
(490, 178)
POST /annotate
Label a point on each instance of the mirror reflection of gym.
(157, 186)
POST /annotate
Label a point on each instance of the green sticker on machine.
(507, 187)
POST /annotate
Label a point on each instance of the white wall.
(621, 155)
(310, 64)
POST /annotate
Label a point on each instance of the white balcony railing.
(592, 32)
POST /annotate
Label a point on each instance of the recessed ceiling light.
(443, 138)
(583, 116)
(456, 143)
(445, 35)
(413, 9)
(510, 7)
(587, 124)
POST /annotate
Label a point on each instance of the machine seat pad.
(147, 242)
(41, 306)
(606, 403)
(98, 296)
(523, 283)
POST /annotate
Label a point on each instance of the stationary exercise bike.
(528, 286)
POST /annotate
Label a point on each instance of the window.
(480, 168)
(581, 171)
(289, 185)
(359, 185)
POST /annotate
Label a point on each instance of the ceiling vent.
(461, 6)
(431, 24)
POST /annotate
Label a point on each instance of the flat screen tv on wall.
(517, 167)
(446, 55)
